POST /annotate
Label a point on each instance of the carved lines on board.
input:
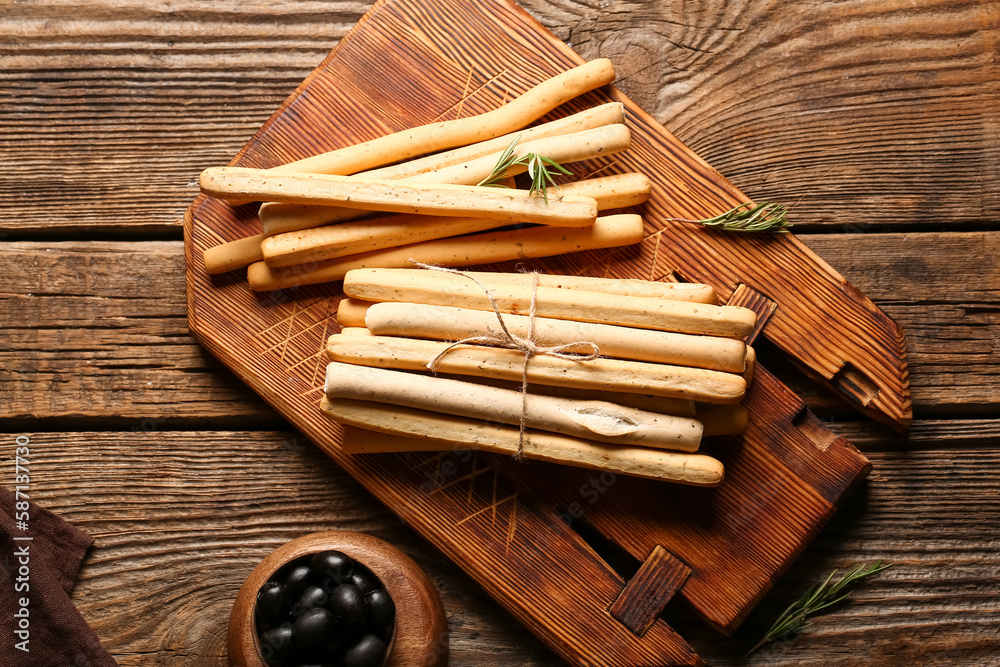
(467, 94)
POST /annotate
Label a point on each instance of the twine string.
(503, 337)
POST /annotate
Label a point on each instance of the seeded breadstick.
(351, 238)
(449, 323)
(513, 206)
(602, 374)
(519, 112)
(278, 218)
(625, 286)
(355, 331)
(460, 432)
(434, 137)
(449, 289)
(628, 287)
(593, 420)
(607, 232)
(677, 407)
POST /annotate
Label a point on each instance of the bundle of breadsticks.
(619, 375)
(328, 214)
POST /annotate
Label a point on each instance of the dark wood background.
(878, 120)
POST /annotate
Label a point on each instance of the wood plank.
(934, 514)
(762, 91)
(105, 339)
(98, 332)
(802, 101)
(929, 434)
(180, 518)
(118, 91)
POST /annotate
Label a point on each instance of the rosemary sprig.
(764, 217)
(538, 170)
(817, 598)
(499, 173)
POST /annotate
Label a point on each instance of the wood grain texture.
(791, 100)
(190, 514)
(902, 99)
(78, 350)
(649, 590)
(875, 116)
(733, 567)
(436, 69)
(189, 519)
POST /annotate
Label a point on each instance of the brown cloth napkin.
(42, 571)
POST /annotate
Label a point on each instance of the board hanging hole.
(855, 384)
(624, 565)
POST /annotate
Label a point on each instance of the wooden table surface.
(877, 119)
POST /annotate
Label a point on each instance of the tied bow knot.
(526, 345)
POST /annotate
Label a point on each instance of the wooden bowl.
(421, 636)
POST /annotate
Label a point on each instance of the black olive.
(273, 602)
(341, 636)
(381, 609)
(347, 602)
(314, 596)
(277, 643)
(369, 652)
(364, 579)
(297, 577)
(333, 568)
(313, 628)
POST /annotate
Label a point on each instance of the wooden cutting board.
(512, 526)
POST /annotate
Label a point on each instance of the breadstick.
(351, 312)
(635, 377)
(351, 238)
(449, 289)
(234, 254)
(593, 420)
(449, 323)
(677, 407)
(457, 432)
(355, 331)
(278, 218)
(607, 232)
(722, 419)
(519, 112)
(399, 197)
(611, 113)
(694, 292)
(614, 191)
(751, 362)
